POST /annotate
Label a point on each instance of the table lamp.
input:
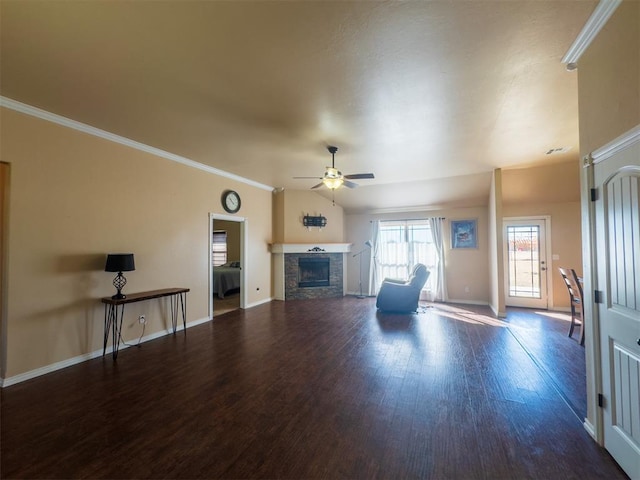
(119, 262)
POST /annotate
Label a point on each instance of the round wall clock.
(231, 201)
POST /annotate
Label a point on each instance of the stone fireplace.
(309, 270)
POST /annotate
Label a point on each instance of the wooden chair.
(574, 286)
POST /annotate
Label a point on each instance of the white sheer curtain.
(400, 245)
(374, 274)
(438, 292)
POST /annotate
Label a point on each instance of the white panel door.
(525, 260)
(617, 223)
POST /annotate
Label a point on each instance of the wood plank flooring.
(316, 389)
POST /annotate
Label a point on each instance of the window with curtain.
(219, 248)
(401, 245)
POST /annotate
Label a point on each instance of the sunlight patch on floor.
(566, 317)
(464, 315)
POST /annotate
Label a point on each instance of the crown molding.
(411, 209)
(96, 132)
(597, 20)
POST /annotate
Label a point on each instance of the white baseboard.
(357, 294)
(22, 377)
(260, 302)
(589, 428)
(464, 302)
(467, 302)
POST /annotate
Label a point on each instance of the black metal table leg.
(107, 326)
(183, 304)
(174, 313)
(117, 329)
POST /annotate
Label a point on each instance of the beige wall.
(554, 183)
(468, 267)
(609, 80)
(298, 203)
(464, 267)
(552, 190)
(233, 238)
(278, 217)
(76, 197)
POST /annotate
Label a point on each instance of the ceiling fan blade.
(349, 184)
(317, 186)
(356, 176)
(319, 178)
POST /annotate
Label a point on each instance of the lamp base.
(119, 282)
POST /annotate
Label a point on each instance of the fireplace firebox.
(313, 272)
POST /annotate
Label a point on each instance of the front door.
(525, 262)
(617, 225)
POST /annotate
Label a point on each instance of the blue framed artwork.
(464, 233)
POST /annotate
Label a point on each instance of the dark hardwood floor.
(317, 389)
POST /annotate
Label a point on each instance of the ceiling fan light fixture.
(332, 183)
(333, 178)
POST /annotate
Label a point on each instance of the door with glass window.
(525, 262)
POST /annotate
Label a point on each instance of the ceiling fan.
(333, 178)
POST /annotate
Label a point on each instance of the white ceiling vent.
(556, 151)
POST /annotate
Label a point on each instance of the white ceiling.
(429, 96)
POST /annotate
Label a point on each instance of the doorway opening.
(526, 243)
(227, 268)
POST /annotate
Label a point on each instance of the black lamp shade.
(120, 262)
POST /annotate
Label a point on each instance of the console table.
(114, 312)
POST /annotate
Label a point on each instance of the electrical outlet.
(142, 319)
(466, 289)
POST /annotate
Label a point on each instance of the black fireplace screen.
(313, 272)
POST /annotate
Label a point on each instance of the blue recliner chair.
(402, 295)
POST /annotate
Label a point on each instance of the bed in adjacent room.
(226, 278)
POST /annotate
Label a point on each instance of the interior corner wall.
(297, 204)
(496, 246)
(74, 198)
(609, 105)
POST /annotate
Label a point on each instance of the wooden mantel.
(310, 247)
